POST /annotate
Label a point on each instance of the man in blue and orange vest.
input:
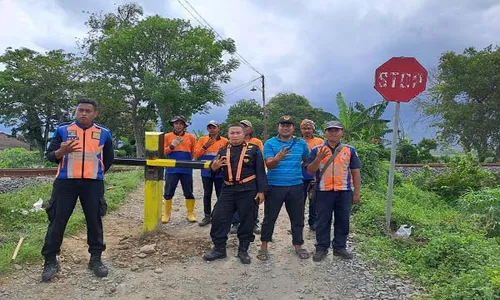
(337, 189)
(207, 148)
(179, 145)
(84, 152)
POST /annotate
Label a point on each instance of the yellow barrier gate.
(154, 177)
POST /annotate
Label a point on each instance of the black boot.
(244, 257)
(206, 220)
(319, 255)
(343, 253)
(96, 265)
(50, 269)
(216, 253)
(243, 252)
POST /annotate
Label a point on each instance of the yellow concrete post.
(153, 176)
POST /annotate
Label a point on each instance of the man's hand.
(355, 198)
(69, 147)
(209, 143)
(322, 153)
(260, 197)
(283, 152)
(176, 141)
(219, 162)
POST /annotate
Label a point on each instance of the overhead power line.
(240, 87)
(206, 24)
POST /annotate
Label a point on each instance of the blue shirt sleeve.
(54, 145)
(305, 152)
(355, 161)
(268, 150)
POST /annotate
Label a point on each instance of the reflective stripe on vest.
(239, 168)
(87, 163)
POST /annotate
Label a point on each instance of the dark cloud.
(318, 48)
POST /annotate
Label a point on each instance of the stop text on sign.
(400, 80)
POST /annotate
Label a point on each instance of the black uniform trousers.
(293, 197)
(312, 203)
(208, 185)
(65, 193)
(339, 204)
(231, 200)
(171, 181)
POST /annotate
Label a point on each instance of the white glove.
(176, 142)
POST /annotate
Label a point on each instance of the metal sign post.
(400, 79)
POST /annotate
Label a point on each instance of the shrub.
(422, 179)
(21, 158)
(369, 154)
(475, 284)
(463, 174)
(486, 204)
(489, 160)
(407, 153)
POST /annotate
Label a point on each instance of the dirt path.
(175, 270)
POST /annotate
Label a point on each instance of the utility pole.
(264, 112)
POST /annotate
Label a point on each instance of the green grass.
(449, 252)
(13, 224)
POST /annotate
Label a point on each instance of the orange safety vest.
(88, 163)
(238, 179)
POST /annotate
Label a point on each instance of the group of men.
(244, 171)
(247, 173)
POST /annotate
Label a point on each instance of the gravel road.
(167, 264)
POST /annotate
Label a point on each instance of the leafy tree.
(465, 100)
(296, 106)
(407, 153)
(361, 123)
(37, 92)
(162, 67)
(424, 150)
(245, 109)
(113, 111)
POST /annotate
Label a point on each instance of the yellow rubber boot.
(190, 210)
(167, 209)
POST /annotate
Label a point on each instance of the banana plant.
(361, 123)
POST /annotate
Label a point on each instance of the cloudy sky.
(315, 48)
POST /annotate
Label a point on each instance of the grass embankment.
(14, 224)
(450, 252)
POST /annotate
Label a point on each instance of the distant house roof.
(8, 142)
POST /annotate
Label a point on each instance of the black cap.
(179, 118)
(286, 119)
(334, 124)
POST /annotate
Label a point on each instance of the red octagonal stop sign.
(400, 79)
